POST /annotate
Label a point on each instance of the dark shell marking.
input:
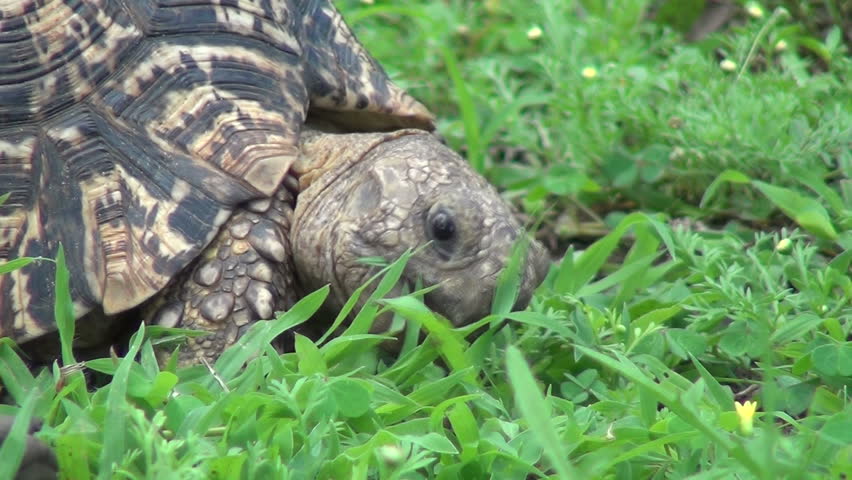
(129, 131)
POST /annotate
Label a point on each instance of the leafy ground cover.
(696, 322)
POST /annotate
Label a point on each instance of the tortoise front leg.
(245, 275)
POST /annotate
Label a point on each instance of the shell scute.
(56, 53)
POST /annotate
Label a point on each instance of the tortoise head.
(381, 194)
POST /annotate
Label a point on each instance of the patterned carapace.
(129, 131)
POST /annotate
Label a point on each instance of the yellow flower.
(746, 413)
(728, 65)
(589, 72)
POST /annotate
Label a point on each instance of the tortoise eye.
(443, 226)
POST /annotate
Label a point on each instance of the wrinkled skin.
(394, 192)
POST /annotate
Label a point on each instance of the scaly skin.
(244, 275)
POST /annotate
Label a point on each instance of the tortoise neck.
(323, 150)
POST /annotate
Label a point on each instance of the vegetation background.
(687, 163)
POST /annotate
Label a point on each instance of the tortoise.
(206, 164)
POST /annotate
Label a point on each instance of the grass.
(702, 219)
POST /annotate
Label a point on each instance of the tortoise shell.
(129, 131)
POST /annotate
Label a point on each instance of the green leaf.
(684, 343)
(451, 346)
(647, 406)
(388, 279)
(433, 442)
(658, 316)
(805, 211)
(228, 467)
(795, 328)
(160, 388)
(833, 359)
(627, 272)
(466, 430)
(841, 262)
(352, 397)
(179, 408)
(537, 319)
(438, 413)
(654, 446)
(817, 184)
(310, 359)
(735, 339)
(564, 280)
(73, 456)
(826, 402)
(16, 264)
(838, 429)
(797, 394)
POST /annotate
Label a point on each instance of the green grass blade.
(805, 211)
(622, 275)
(509, 280)
(12, 449)
(311, 361)
(451, 346)
(63, 309)
(14, 374)
(724, 398)
(263, 332)
(388, 278)
(470, 118)
(536, 411)
(591, 261)
(15, 264)
(727, 176)
(115, 425)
